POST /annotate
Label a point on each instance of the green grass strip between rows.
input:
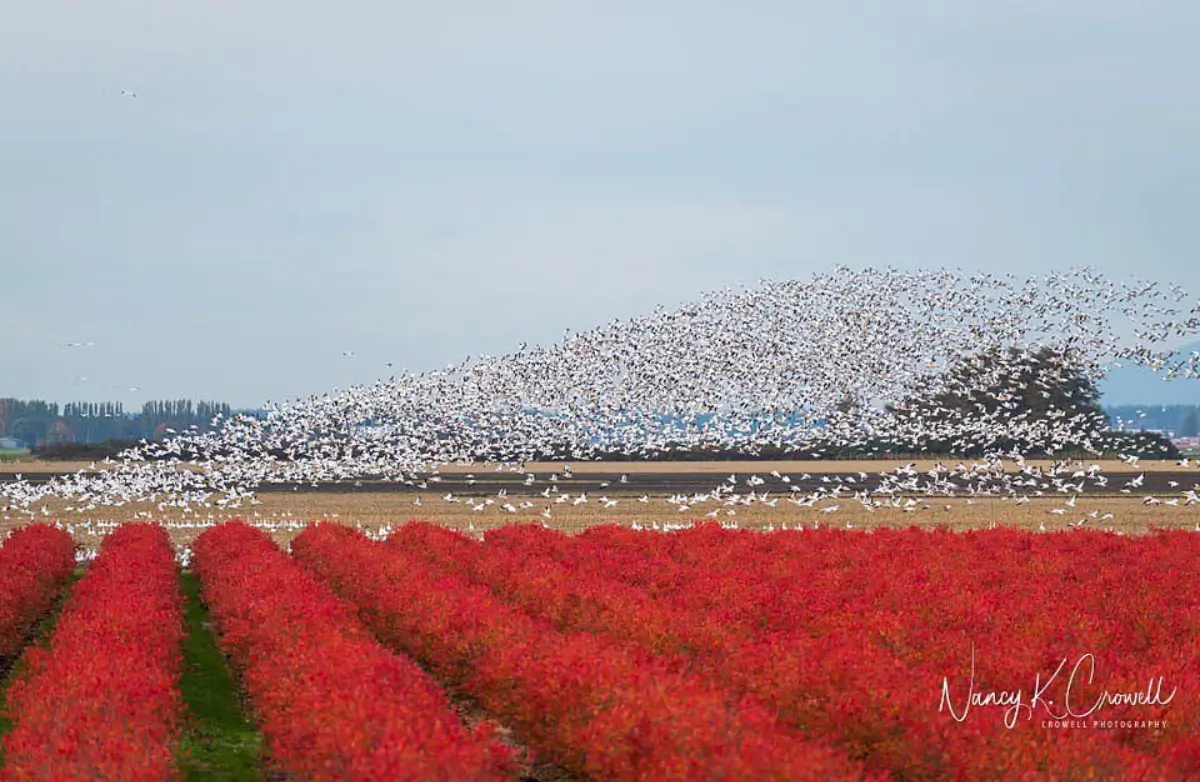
(220, 743)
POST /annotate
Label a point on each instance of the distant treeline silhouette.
(1147, 445)
(98, 430)
(39, 424)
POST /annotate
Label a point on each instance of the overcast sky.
(419, 182)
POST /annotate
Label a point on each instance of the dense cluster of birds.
(821, 365)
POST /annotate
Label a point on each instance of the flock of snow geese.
(813, 364)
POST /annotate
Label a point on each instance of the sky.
(420, 182)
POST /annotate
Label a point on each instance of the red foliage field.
(331, 702)
(589, 703)
(863, 641)
(102, 703)
(35, 563)
(701, 654)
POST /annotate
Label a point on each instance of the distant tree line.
(39, 424)
(1045, 385)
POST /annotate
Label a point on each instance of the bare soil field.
(376, 511)
(279, 511)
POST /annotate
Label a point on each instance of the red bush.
(35, 563)
(332, 703)
(102, 702)
(850, 636)
(597, 707)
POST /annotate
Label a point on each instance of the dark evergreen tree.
(1010, 388)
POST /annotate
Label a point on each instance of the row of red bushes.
(332, 703)
(702, 654)
(519, 566)
(594, 706)
(851, 636)
(102, 703)
(35, 563)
